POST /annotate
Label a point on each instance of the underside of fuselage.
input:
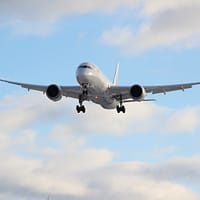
(105, 102)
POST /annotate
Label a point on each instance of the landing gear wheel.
(83, 109)
(121, 109)
(118, 109)
(80, 109)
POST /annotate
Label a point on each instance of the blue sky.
(151, 152)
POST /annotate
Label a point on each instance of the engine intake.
(137, 92)
(54, 92)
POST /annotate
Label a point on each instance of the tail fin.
(115, 80)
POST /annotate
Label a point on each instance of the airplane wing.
(124, 91)
(67, 91)
(169, 88)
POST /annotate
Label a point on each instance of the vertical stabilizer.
(115, 80)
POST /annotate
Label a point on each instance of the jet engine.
(54, 92)
(137, 92)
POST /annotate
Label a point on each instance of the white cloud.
(155, 7)
(38, 17)
(156, 119)
(184, 120)
(16, 113)
(19, 112)
(180, 169)
(163, 24)
(71, 174)
(65, 166)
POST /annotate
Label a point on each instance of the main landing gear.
(121, 108)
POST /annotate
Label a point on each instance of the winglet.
(115, 80)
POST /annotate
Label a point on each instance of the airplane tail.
(115, 80)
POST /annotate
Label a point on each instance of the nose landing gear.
(82, 98)
(80, 109)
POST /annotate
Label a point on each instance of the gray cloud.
(16, 113)
(165, 24)
(19, 112)
(181, 169)
(65, 166)
(162, 23)
(39, 17)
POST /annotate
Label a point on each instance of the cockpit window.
(85, 67)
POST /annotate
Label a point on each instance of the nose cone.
(82, 71)
(82, 75)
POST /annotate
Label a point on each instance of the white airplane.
(96, 87)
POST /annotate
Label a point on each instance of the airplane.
(96, 87)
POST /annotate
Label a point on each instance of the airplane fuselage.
(97, 83)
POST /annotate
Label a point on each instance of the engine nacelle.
(137, 92)
(54, 92)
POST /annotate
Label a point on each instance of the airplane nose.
(82, 75)
(82, 72)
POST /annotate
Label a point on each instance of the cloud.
(163, 24)
(61, 163)
(184, 120)
(155, 7)
(16, 113)
(84, 173)
(39, 17)
(19, 112)
(180, 169)
(156, 118)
